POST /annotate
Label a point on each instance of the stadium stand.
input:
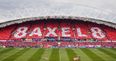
(58, 33)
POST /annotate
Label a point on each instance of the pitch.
(57, 54)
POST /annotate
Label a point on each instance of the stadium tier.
(58, 33)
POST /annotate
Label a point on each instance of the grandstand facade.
(74, 32)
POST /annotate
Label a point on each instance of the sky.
(98, 9)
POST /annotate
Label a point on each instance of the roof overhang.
(18, 21)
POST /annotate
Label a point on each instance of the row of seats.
(59, 44)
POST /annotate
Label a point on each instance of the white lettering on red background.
(36, 31)
(51, 31)
(96, 32)
(21, 32)
(65, 32)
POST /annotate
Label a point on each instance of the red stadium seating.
(51, 34)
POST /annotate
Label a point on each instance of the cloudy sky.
(99, 9)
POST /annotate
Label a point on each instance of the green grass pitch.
(57, 54)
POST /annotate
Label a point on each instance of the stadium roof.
(97, 9)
